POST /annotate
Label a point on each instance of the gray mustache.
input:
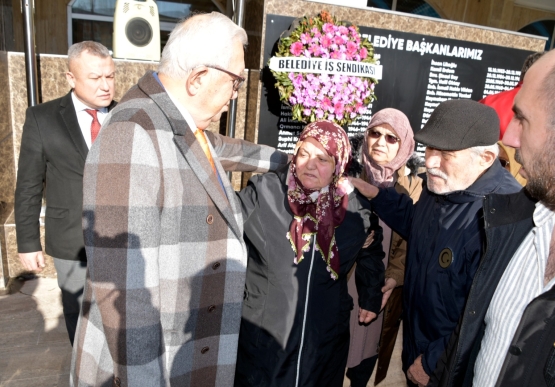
(436, 172)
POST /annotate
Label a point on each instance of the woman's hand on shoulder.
(366, 189)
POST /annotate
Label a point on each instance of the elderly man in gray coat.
(163, 233)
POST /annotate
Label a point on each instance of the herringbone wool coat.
(167, 261)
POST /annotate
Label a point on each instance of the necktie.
(95, 124)
(201, 137)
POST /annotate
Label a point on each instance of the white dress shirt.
(522, 281)
(85, 119)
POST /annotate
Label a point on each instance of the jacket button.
(514, 350)
(215, 266)
(211, 308)
(117, 382)
(204, 350)
(472, 312)
(492, 210)
(209, 219)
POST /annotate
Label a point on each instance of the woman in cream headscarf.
(387, 146)
(304, 227)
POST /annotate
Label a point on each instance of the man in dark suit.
(55, 142)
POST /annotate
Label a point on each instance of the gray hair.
(203, 39)
(477, 151)
(88, 46)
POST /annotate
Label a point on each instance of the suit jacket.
(167, 261)
(52, 155)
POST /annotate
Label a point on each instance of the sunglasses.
(504, 163)
(389, 138)
(237, 80)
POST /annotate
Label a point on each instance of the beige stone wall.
(502, 14)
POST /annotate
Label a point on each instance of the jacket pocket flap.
(58, 213)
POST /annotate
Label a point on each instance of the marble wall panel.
(7, 171)
(5, 209)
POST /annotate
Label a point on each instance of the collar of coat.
(191, 150)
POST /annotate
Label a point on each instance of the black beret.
(460, 124)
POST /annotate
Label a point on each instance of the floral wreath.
(315, 96)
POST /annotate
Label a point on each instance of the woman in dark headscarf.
(387, 146)
(304, 227)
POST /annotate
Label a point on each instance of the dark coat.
(447, 228)
(53, 151)
(530, 359)
(281, 297)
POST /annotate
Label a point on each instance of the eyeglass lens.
(389, 138)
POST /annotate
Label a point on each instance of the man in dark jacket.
(444, 230)
(55, 142)
(507, 332)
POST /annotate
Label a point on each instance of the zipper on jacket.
(305, 308)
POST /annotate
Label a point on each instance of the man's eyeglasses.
(237, 80)
(389, 138)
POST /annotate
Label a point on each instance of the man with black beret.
(444, 229)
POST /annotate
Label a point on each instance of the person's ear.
(487, 158)
(70, 79)
(196, 79)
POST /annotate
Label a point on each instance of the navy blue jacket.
(445, 235)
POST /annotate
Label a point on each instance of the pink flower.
(305, 38)
(338, 108)
(326, 105)
(343, 30)
(363, 53)
(292, 100)
(351, 47)
(326, 41)
(296, 48)
(331, 117)
(315, 32)
(338, 40)
(315, 50)
(296, 80)
(307, 112)
(328, 28)
(319, 113)
(335, 55)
